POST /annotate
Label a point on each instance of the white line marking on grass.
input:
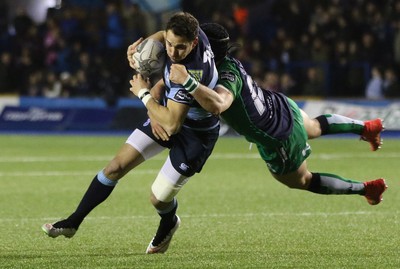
(34, 159)
(96, 158)
(65, 173)
(249, 215)
(326, 156)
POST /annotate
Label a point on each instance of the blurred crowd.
(324, 48)
(319, 48)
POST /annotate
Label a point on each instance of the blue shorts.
(189, 149)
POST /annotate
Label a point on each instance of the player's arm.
(215, 101)
(170, 117)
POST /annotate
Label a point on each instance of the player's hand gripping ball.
(149, 57)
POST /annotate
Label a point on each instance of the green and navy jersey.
(200, 64)
(261, 116)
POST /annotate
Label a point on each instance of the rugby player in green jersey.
(275, 123)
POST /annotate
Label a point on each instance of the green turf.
(234, 215)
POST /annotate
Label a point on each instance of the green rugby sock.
(324, 183)
(337, 124)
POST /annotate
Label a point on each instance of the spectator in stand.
(22, 22)
(302, 49)
(240, 15)
(82, 87)
(136, 22)
(288, 85)
(115, 46)
(52, 85)
(69, 23)
(368, 49)
(340, 69)
(319, 51)
(396, 40)
(356, 71)
(62, 56)
(391, 84)
(35, 84)
(314, 85)
(271, 81)
(374, 89)
(7, 73)
(50, 41)
(24, 67)
(270, 28)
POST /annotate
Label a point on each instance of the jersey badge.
(227, 76)
(183, 95)
(197, 74)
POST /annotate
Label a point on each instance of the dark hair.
(218, 37)
(184, 24)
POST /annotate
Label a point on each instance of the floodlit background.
(65, 110)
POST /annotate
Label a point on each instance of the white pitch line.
(247, 215)
(65, 173)
(96, 158)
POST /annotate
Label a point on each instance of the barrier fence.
(23, 114)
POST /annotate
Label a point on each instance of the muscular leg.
(312, 126)
(164, 189)
(137, 148)
(321, 183)
(331, 124)
(103, 184)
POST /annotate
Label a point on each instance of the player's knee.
(114, 170)
(163, 190)
(154, 201)
(297, 185)
(300, 183)
(159, 205)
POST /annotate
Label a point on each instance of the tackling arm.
(215, 101)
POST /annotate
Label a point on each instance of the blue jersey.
(200, 64)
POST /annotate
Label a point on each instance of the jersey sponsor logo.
(196, 73)
(183, 95)
(306, 150)
(147, 122)
(184, 166)
(227, 76)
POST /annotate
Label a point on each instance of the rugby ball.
(149, 57)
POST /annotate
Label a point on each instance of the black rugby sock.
(95, 195)
(167, 222)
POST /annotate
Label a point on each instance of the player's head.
(219, 39)
(181, 35)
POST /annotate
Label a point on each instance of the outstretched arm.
(215, 101)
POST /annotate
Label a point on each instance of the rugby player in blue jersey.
(192, 133)
(276, 125)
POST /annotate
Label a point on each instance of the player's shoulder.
(202, 52)
(229, 68)
(201, 64)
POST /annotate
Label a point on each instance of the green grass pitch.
(234, 214)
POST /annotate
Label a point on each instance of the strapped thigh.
(168, 182)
